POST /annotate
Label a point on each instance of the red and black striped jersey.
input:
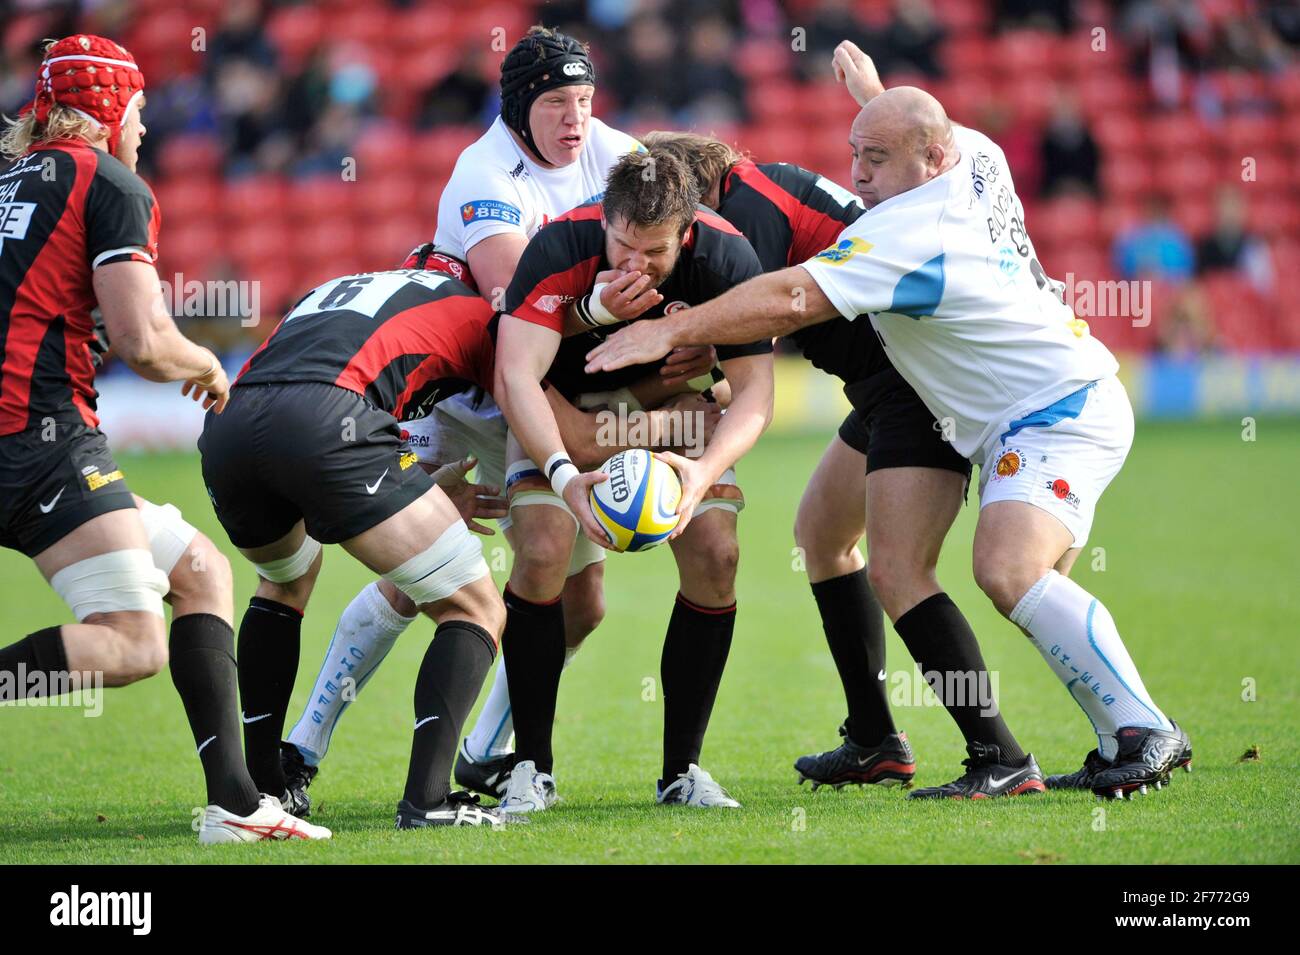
(789, 214)
(560, 266)
(403, 339)
(66, 209)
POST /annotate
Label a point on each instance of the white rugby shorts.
(1062, 458)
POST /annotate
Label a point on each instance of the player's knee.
(289, 580)
(541, 561)
(202, 575)
(142, 646)
(1004, 583)
(715, 566)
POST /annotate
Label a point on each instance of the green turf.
(1199, 572)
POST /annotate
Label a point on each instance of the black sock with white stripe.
(203, 668)
(269, 639)
(450, 678)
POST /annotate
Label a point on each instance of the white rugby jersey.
(952, 285)
(498, 187)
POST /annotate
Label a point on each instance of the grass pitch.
(1199, 571)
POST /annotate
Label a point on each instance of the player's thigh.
(116, 530)
(909, 513)
(405, 534)
(831, 516)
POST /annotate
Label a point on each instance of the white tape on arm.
(559, 470)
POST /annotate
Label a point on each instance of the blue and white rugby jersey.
(497, 187)
(949, 277)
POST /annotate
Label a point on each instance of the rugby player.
(943, 268)
(309, 451)
(543, 156)
(80, 232)
(889, 454)
(646, 249)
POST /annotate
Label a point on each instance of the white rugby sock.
(366, 631)
(493, 732)
(1077, 637)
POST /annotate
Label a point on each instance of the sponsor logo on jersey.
(1061, 488)
(416, 440)
(95, 479)
(552, 303)
(406, 460)
(1009, 464)
(674, 307)
(844, 250)
(481, 209)
(520, 171)
(15, 218)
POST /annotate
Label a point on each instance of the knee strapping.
(454, 560)
(288, 569)
(106, 583)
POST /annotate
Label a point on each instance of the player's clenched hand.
(212, 387)
(473, 501)
(694, 485)
(637, 344)
(856, 71)
(687, 362)
(577, 496)
(630, 295)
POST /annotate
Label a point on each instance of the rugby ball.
(637, 506)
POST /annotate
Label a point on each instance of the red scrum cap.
(92, 76)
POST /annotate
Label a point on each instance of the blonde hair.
(21, 134)
(707, 158)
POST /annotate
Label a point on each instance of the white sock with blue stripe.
(1077, 637)
(366, 631)
(494, 731)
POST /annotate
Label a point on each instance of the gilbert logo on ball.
(637, 506)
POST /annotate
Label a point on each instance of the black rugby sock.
(855, 632)
(944, 647)
(269, 639)
(40, 654)
(533, 643)
(203, 669)
(694, 656)
(445, 690)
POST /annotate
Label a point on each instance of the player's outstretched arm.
(524, 353)
(766, 306)
(147, 339)
(747, 417)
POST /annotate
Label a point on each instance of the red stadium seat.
(1194, 211)
(1177, 133)
(188, 199)
(1021, 54)
(190, 155)
(1188, 173)
(256, 199)
(1250, 132)
(296, 31)
(778, 101)
(967, 56)
(322, 197)
(758, 60)
(1119, 132)
(1124, 177)
(962, 16)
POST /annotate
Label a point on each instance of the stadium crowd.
(1153, 139)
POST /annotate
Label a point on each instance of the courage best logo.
(489, 209)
